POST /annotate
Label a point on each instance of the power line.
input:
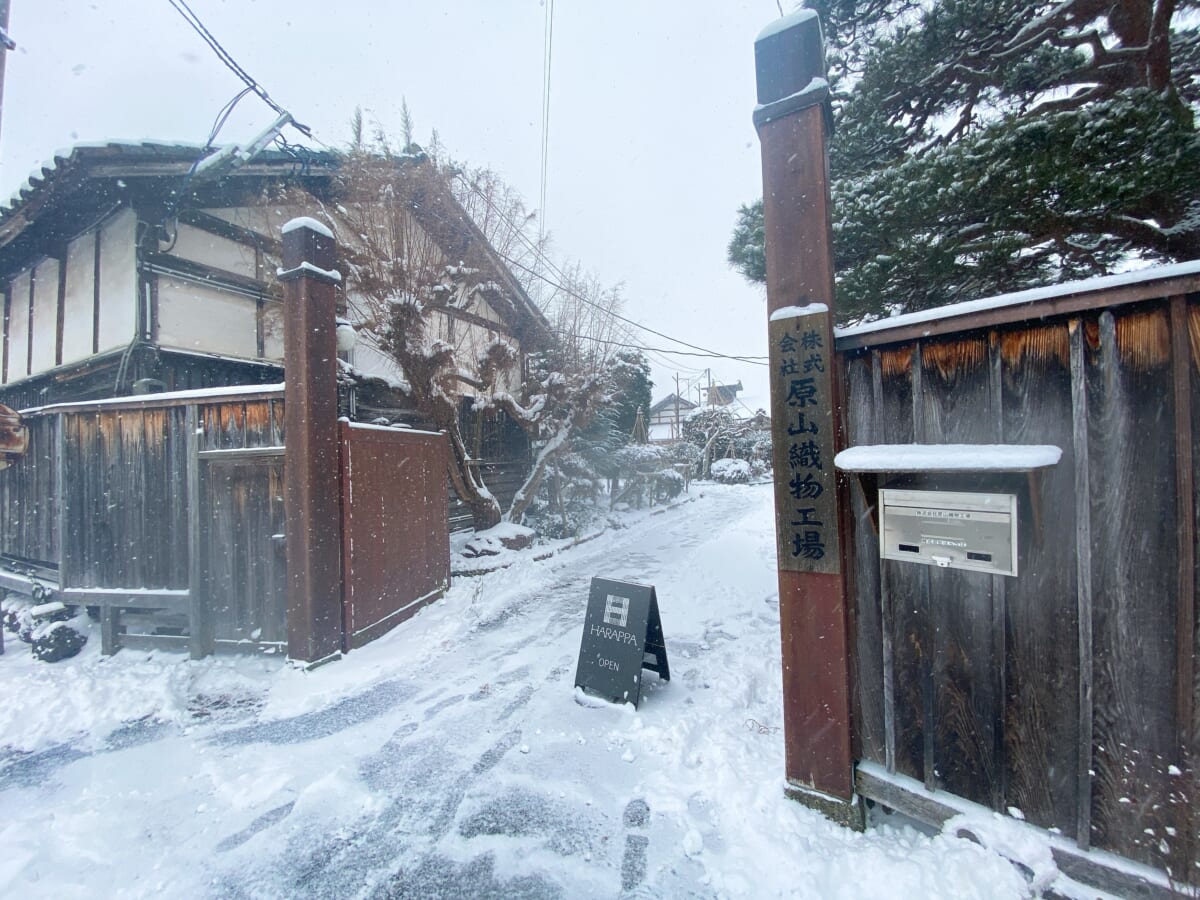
(547, 67)
(611, 343)
(703, 351)
(224, 55)
(251, 85)
(754, 360)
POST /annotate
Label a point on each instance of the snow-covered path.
(451, 758)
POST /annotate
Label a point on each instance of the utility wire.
(547, 68)
(222, 54)
(755, 360)
(251, 85)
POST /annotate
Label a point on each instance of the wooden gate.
(395, 528)
(243, 552)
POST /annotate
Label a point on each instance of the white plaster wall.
(193, 317)
(78, 306)
(118, 281)
(45, 316)
(18, 329)
(200, 246)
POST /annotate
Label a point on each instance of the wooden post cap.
(789, 62)
(308, 251)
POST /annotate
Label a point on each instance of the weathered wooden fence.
(1070, 692)
(166, 513)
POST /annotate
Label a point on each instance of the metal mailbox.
(950, 529)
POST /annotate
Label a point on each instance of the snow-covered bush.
(731, 471)
(57, 640)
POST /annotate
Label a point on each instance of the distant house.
(723, 394)
(124, 271)
(667, 417)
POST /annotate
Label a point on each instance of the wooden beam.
(96, 294)
(814, 605)
(61, 309)
(312, 459)
(948, 322)
(1102, 870)
(7, 317)
(200, 618)
(29, 322)
(221, 228)
(1185, 628)
(1083, 578)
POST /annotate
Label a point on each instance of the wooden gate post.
(311, 454)
(792, 119)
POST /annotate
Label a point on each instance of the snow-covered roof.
(1031, 297)
(947, 457)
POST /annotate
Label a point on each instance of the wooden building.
(125, 272)
(143, 344)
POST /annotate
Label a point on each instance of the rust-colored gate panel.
(395, 532)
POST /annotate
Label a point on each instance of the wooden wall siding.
(1191, 785)
(868, 668)
(395, 537)
(1133, 530)
(244, 563)
(1041, 626)
(29, 497)
(959, 407)
(125, 499)
(242, 425)
(1063, 692)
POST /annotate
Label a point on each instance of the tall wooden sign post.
(792, 118)
(311, 466)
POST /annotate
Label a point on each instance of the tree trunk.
(485, 510)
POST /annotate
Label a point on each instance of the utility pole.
(6, 44)
(677, 430)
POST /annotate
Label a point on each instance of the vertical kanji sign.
(803, 446)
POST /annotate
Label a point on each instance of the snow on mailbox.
(927, 511)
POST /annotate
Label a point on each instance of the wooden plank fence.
(1071, 691)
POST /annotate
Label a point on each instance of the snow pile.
(451, 757)
(731, 471)
(494, 541)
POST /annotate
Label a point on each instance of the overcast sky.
(651, 143)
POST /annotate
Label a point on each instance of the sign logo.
(616, 611)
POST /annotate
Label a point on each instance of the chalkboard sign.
(622, 634)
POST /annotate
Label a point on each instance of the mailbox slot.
(950, 529)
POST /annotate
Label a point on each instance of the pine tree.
(982, 146)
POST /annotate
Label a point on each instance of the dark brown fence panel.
(396, 542)
(243, 552)
(125, 499)
(967, 699)
(29, 498)
(1133, 513)
(1191, 731)
(1041, 713)
(905, 594)
(868, 668)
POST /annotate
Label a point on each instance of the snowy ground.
(451, 758)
